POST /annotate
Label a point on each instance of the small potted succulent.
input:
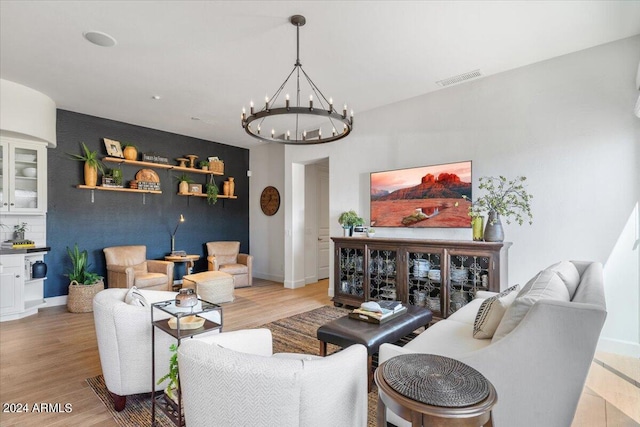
(184, 180)
(19, 230)
(204, 165)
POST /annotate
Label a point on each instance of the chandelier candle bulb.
(266, 102)
(251, 105)
(333, 132)
(330, 104)
(273, 132)
(304, 135)
(286, 102)
(344, 111)
(258, 129)
(288, 135)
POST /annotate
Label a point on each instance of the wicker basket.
(80, 299)
(216, 166)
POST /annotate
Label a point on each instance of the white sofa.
(124, 342)
(538, 368)
(232, 379)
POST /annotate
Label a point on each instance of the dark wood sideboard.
(442, 275)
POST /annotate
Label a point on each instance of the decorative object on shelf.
(183, 162)
(195, 188)
(216, 165)
(154, 158)
(192, 160)
(303, 129)
(232, 186)
(38, 270)
(29, 172)
(84, 284)
(19, 230)
(509, 199)
(477, 225)
(173, 235)
(130, 152)
(212, 191)
(204, 165)
(91, 165)
(171, 391)
(348, 220)
(371, 232)
(186, 298)
(185, 180)
(113, 148)
(270, 200)
(112, 178)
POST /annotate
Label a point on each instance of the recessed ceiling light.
(100, 38)
(195, 118)
(156, 97)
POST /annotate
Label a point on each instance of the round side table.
(431, 390)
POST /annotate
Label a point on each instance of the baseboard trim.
(294, 284)
(55, 301)
(626, 348)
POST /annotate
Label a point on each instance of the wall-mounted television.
(422, 197)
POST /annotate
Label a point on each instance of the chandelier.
(298, 124)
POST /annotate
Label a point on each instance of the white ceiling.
(208, 59)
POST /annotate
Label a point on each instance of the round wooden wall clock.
(270, 200)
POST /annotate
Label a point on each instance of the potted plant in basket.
(84, 284)
(348, 220)
(506, 198)
(171, 390)
(91, 165)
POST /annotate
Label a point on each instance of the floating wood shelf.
(160, 166)
(220, 196)
(126, 190)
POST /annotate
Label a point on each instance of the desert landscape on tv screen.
(429, 196)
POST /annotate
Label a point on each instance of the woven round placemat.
(435, 380)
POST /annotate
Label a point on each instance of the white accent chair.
(124, 342)
(233, 379)
(539, 368)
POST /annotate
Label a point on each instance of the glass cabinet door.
(424, 280)
(351, 268)
(468, 273)
(23, 169)
(383, 274)
(25, 178)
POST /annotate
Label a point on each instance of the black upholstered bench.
(345, 331)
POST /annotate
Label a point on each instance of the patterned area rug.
(295, 334)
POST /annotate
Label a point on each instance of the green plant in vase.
(502, 198)
(91, 165)
(184, 180)
(348, 220)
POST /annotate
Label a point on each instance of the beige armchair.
(225, 257)
(128, 266)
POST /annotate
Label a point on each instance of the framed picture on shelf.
(195, 188)
(113, 148)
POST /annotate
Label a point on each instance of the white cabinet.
(23, 176)
(20, 294)
(11, 284)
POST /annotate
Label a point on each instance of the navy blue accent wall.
(119, 218)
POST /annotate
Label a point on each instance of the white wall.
(567, 124)
(266, 233)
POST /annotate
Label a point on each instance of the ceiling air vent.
(459, 78)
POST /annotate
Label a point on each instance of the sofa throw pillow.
(491, 311)
(134, 297)
(568, 272)
(545, 285)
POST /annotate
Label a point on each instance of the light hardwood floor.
(46, 358)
